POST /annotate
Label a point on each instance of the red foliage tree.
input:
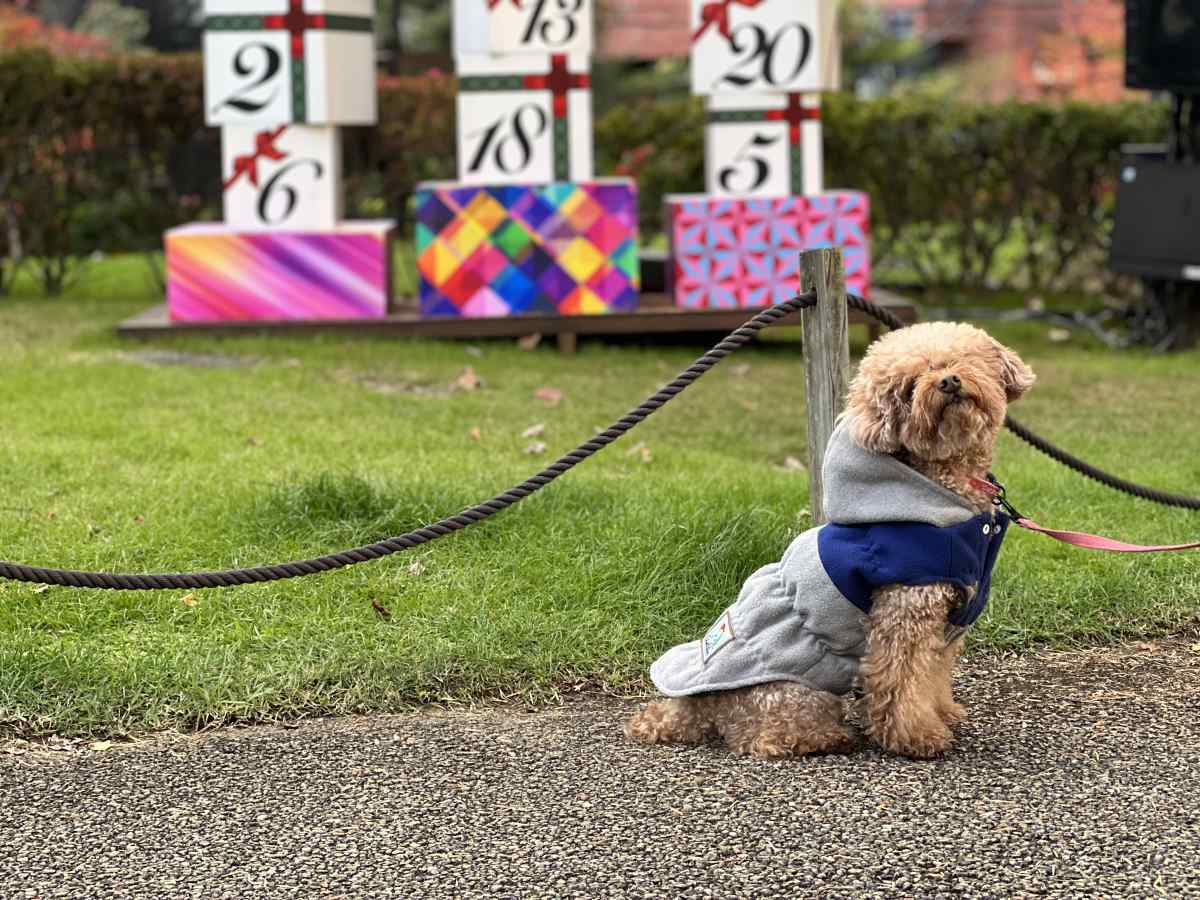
(20, 29)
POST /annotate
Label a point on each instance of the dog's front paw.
(923, 737)
(952, 714)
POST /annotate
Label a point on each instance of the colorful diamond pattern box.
(565, 248)
(218, 274)
(745, 253)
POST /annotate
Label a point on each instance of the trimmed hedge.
(106, 154)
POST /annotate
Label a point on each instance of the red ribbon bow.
(264, 145)
(718, 14)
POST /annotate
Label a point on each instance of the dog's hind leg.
(781, 719)
(905, 638)
(674, 720)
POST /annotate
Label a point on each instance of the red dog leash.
(995, 490)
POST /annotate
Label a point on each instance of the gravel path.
(1078, 776)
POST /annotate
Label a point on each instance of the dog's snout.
(951, 384)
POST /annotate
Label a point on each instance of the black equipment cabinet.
(1156, 235)
(1157, 230)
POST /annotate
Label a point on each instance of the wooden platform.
(657, 315)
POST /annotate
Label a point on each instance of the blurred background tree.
(167, 26)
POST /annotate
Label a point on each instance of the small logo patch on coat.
(717, 637)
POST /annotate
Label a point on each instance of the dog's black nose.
(950, 384)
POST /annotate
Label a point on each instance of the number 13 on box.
(764, 46)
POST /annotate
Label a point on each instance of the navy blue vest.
(861, 558)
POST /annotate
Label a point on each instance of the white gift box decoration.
(270, 62)
(524, 119)
(523, 26)
(283, 178)
(767, 145)
(764, 46)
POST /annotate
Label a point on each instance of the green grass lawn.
(287, 448)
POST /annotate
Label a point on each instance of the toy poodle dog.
(878, 599)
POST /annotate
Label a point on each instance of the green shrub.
(107, 154)
(986, 195)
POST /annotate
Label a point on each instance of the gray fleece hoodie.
(794, 620)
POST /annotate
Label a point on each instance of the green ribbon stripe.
(716, 117)
(255, 23)
(562, 150)
(492, 83)
(299, 91)
(797, 170)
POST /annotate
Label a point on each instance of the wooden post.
(826, 358)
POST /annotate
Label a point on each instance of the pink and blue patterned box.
(745, 253)
(216, 273)
(567, 248)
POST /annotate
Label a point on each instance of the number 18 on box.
(524, 119)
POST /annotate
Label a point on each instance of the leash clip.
(1000, 499)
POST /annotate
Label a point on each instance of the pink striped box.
(216, 273)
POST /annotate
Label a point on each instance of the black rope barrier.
(733, 342)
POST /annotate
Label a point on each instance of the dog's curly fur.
(901, 409)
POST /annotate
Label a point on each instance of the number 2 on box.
(243, 69)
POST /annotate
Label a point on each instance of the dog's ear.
(1018, 377)
(879, 406)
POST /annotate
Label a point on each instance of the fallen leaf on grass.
(740, 370)
(1058, 335)
(472, 350)
(549, 395)
(1148, 646)
(467, 381)
(475, 434)
(791, 464)
(140, 520)
(641, 450)
(188, 600)
(253, 442)
(529, 342)
(416, 569)
(41, 588)
(101, 746)
(537, 448)
(380, 610)
(534, 431)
